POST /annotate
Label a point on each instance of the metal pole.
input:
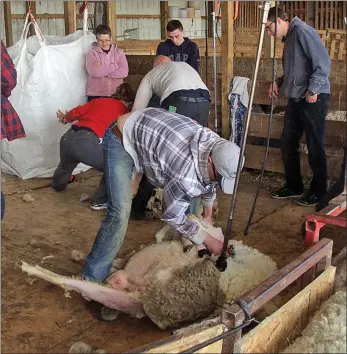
(221, 263)
(215, 67)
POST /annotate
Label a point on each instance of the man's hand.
(213, 245)
(275, 91)
(62, 117)
(311, 99)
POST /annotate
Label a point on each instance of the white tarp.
(51, 75)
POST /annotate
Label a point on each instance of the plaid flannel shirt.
(11, 126)
(172, 151)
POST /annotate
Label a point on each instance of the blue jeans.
(118, 168)
(2, 205)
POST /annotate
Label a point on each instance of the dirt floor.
(38, 318)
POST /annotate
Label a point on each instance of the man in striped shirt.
(176, 154)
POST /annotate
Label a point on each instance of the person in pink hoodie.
(106, 64)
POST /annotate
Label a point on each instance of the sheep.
(169, 284)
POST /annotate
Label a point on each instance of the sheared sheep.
(170, 285)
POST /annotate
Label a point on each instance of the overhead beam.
(227, 61)
(111, 18)
(164, 18)
(70, 17)
(8, 23)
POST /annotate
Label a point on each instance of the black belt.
(77, 127)
(192, 99)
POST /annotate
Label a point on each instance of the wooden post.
(111, 18)
(227, 61)
(32, 6)
(70, 17)
(269, 42)
(8, 23)
(164, 18)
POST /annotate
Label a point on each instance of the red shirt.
(97, 114)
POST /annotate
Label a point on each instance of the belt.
(77, 127)
(192, 99)
(117, 133)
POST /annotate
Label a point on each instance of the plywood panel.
(273, 334)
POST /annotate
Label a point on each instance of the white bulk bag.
(51, 75)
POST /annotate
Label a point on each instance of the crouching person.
(176, 154)
(81, 143)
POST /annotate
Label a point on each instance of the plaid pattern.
(172, 151)
(11, 126)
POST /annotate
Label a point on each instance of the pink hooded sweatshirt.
(106, 70)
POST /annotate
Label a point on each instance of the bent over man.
(180, 89)
(178, 155)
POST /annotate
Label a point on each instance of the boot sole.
(289, 197)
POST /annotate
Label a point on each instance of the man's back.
(165, 79)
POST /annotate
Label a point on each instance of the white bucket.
(190, 12)
(183, 13)
(194, 4)
(174, 11)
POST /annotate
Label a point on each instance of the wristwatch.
(311, 93)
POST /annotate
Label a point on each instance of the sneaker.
(101, 312)
(96, 206)
(285, 193)
(308, 199)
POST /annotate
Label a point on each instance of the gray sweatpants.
(80, 146)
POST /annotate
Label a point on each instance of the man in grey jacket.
(305, 82)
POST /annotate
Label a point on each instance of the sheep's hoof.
(101, 312)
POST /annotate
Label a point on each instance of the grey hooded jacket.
(306, 62)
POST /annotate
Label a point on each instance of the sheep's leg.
(125, 302)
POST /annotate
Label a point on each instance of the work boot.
(101, 312)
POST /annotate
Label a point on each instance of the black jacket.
(188, 52)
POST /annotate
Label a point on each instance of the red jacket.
(97, 114)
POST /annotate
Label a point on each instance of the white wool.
(341, 277)
(246, 270)
(326, 330)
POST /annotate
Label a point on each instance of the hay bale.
(326, 330)
(191, 293)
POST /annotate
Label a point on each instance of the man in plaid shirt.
(177, 154)
(11, 126)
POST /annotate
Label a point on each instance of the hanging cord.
(274, 72)
(221, 262)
